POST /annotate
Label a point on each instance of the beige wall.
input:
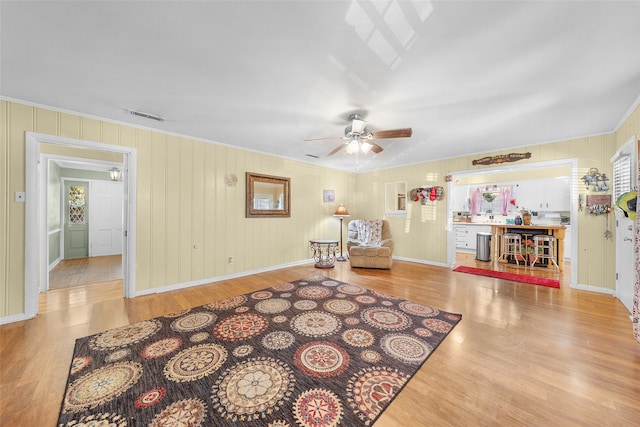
(182, 201)
(423, 234)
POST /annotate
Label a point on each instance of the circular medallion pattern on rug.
(386, 318)
(150, 397)
(418, 309)
(193, 321)
(318, 408)
(284, 287)
(161, 348)
(365, 299)
(187, 413)
(315, 324)
(273, 305)
(371, 389)
(351, 289)
(199, 336)
(227, 303)
(405, 348)
(340, 306)
(125, 335)
(261, 295)
(240, 327)
(252, 388)
(437, 325)
(101, 385)
(278, 340)
(195, 362)
(305, 304)
(321, 359)
(80, 363)
(358, 337)
(118, 355)
(313, 292)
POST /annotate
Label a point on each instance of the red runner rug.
(540, 281)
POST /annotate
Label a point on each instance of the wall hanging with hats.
(426, 194)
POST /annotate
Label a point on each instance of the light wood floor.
(84, 271)
(522, 354)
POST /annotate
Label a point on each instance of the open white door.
(105, 218)
(624, 162)
(624, 261)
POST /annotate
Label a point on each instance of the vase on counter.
(526, 218)
(517, 220)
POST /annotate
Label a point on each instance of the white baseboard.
(185, 285)
(421, 261)
(597, 289)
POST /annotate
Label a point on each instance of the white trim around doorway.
(36, 249)
(573, 180)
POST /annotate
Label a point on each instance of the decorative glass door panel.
(76, 227)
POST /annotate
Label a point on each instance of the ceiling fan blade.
(325, 139)
(393, 133)
(335, 150)
(376, 148)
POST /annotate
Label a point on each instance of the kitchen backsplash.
(537, 218)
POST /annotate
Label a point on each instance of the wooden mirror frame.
(252, 211)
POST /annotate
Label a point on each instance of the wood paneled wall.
(189, 223)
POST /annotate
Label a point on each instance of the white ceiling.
(468, 77)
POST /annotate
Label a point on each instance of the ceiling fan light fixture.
(365, 147)
(352, 147)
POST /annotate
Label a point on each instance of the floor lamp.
(341, 212)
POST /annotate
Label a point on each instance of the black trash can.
(483, 246)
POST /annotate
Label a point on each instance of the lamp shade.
(341, 211)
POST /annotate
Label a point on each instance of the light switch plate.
(20, 196)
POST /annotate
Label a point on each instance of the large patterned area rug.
(312, 352)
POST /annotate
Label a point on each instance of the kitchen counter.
(557, 231)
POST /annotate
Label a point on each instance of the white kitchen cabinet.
(557, 194)
(466, 236)
(460, 198)
(551, 194)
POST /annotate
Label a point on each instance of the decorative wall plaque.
(501, 158)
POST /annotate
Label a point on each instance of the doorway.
(84, 221)
(36, 230)
(522, 171)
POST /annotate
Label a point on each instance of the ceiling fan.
(357, 139)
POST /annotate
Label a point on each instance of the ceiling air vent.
(146, 115)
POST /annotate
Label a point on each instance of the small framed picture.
(329, 196)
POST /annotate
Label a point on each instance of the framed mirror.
(396, 198)
(267, 196)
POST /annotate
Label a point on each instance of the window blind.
(621, 176)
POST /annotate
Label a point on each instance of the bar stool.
(545, 248)
(511, 245)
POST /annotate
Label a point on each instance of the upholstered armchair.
(369, 243)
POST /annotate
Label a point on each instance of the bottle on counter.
(517, 220)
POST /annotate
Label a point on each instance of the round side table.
(324, 252)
